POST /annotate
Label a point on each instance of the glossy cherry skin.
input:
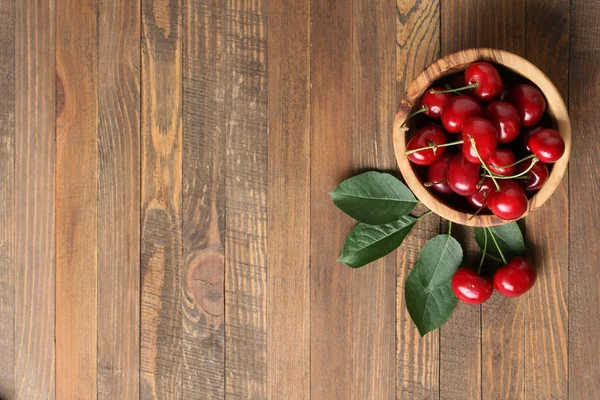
(463, 176)
(508, 203)
(505, 118)
(524, 138)
(485, 137)
(515, 278)
(470, 287)
(530, 103)
(437, 174)
(457, 110)
(503, 156)
(434, 102)
(426, 136)
(487, 78)
(478, 199)
(547, 145)
(536, 177)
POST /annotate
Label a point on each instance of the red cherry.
(457, 110)
(505, 119)
(484, 134)
(489, 82)
(437, 174)
(547, 145)
(434, 102)
(515, 278)
(429, 135)
(470, 287)
(509, 202)
(524, 138)
(502, 157)
(536, 177)
(478, 199)
(463, 176)
(530, 102)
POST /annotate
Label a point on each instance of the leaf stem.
(419, 111)
(449, 228)
(434, 147)
(460, 89)
(472, 140)
(515, 163)
(424, 215)
(496, 243)
(484, 251)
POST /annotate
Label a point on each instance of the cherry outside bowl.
(453, 64)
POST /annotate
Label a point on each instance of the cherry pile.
(503, 138)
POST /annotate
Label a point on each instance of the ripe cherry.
(437, 174)
(515, 278)
(470, 287)
(434, 102)
(463, 176)
(509, 202)
(457, 110)
(524, 138)
(503, 156)
(530, 103)
(505, 118)
(488, 80)
(547, 145)
(478, 199)
(429, 135)
(536, 177)
(484, 134)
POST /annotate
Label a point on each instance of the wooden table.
(166, 227)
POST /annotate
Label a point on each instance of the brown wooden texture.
(118, 199)
(546, 328)
(7, 209)
(246, 205)
(288, 279)
(161, 192)
(584, 233)
(76, 199)
(203, 270)
(417, 358)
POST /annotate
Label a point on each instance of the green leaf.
(509, 238)
(374, 198)
(366, 243)
(427, 290)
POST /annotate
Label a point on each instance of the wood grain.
(203, 272)
(7, 205)
(76, 199)
(417, 358)
(288, 279)
(118, 199)
(161, 179)
(373, 363)
(246, 208)
(546, 332)
(584, 233)
(331, 125)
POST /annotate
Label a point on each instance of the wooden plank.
(76, 199)
(373, 361)
(161, 180)
(417, 359)
(7, 208)
(203, 273)
(546, 330)
(498, 24)
(246, 209)
(331, 123)
(118, 199)
(584, 233)
(288, 279)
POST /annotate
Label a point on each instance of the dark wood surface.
(167, 232)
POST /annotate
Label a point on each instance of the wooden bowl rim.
(456, 62)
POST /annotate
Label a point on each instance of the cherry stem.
(515, 163)
(483, 163)
(433, 147)
(533, 162)
(419, 111)
(449, 228)
(496, 243)
(460, 89)
(430, 184)
(484, 250)
(477, 212)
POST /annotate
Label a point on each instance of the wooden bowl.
(458, 62)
